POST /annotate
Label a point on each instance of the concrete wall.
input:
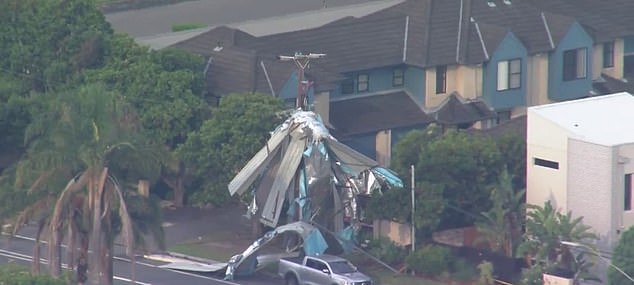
(591, 188)
(625, 165)
(545, 140)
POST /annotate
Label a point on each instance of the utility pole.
(413, 186)
(301, 61)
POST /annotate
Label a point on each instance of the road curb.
(170, 256)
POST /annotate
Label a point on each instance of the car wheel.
(291, 280)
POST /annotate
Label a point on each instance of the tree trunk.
(71, 248)
(55, 251)
(82, 261)
(177, 183)
(35, 266)
(96, 234)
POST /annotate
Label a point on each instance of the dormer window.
(575, 64)
(509, 74)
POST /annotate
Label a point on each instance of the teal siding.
(288, 93)
(380, 79)
(558, 89)
(365, 144)
(629, 45)
(509, 48)
(415, 83)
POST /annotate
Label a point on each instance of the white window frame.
(509, 74)
(363, 82)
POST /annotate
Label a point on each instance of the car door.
(314, 273)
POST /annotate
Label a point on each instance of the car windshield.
(342, 267)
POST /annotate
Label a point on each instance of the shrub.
(433, 260)
(13, 274)
(463, 270)
(187, 26)
(387, 251)
(486, 274)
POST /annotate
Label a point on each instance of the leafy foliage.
(236, 131)
(501, 226)
(623, 258)
(486, 274)
(542, 247)
(432, 260)
(387, 251)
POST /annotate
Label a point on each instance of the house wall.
(537, 80)
(322, 106)
(464, 79)
(545, 140)
(628, 45)
(364, 143)
(380, 79)
(415, 83)
(432, 99)
(626, 165)
(591, 187)
(384, 147)
(288, 92)
(597, 60)
(558, 89)
(509, 48)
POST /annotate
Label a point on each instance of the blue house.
(459, 63)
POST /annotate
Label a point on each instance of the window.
(347, 86)
(315, 264)
(363, 81)
(397, 77)
(575, 64)
(546, 163)
(509, 74)
(441, 79)
(627, 197)
(608, 55)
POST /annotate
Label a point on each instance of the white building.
(580, 157)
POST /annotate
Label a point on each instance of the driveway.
(155, 20)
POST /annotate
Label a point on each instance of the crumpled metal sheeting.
(314, 243)
(351, 161)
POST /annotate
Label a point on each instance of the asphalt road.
(156, 20)
(20, 249)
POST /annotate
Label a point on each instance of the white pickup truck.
(321, 270)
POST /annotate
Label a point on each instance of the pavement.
(156, 20)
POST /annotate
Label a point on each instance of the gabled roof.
(604, 20)
(457, 110)
(601, 120)
(483, 41)
(366, 114)
(533, 27)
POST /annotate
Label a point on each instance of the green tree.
(623, 258)
(542, 246)
(236, 131)
(167, 89)
(501, 226)
(90, 138)
(465, 165)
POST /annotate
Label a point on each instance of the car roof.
(327, 257)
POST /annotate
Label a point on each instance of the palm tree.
(546, 228)
(94, 135)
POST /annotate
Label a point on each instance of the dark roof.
(605, 20)
(607, 85)
(360, 115)
(205, 43)
(483, 41)
(356, 44)
(515, 126)
(457, 110)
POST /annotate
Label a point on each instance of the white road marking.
(137, 262)
(20, 256)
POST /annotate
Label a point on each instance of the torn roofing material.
(303, 164)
